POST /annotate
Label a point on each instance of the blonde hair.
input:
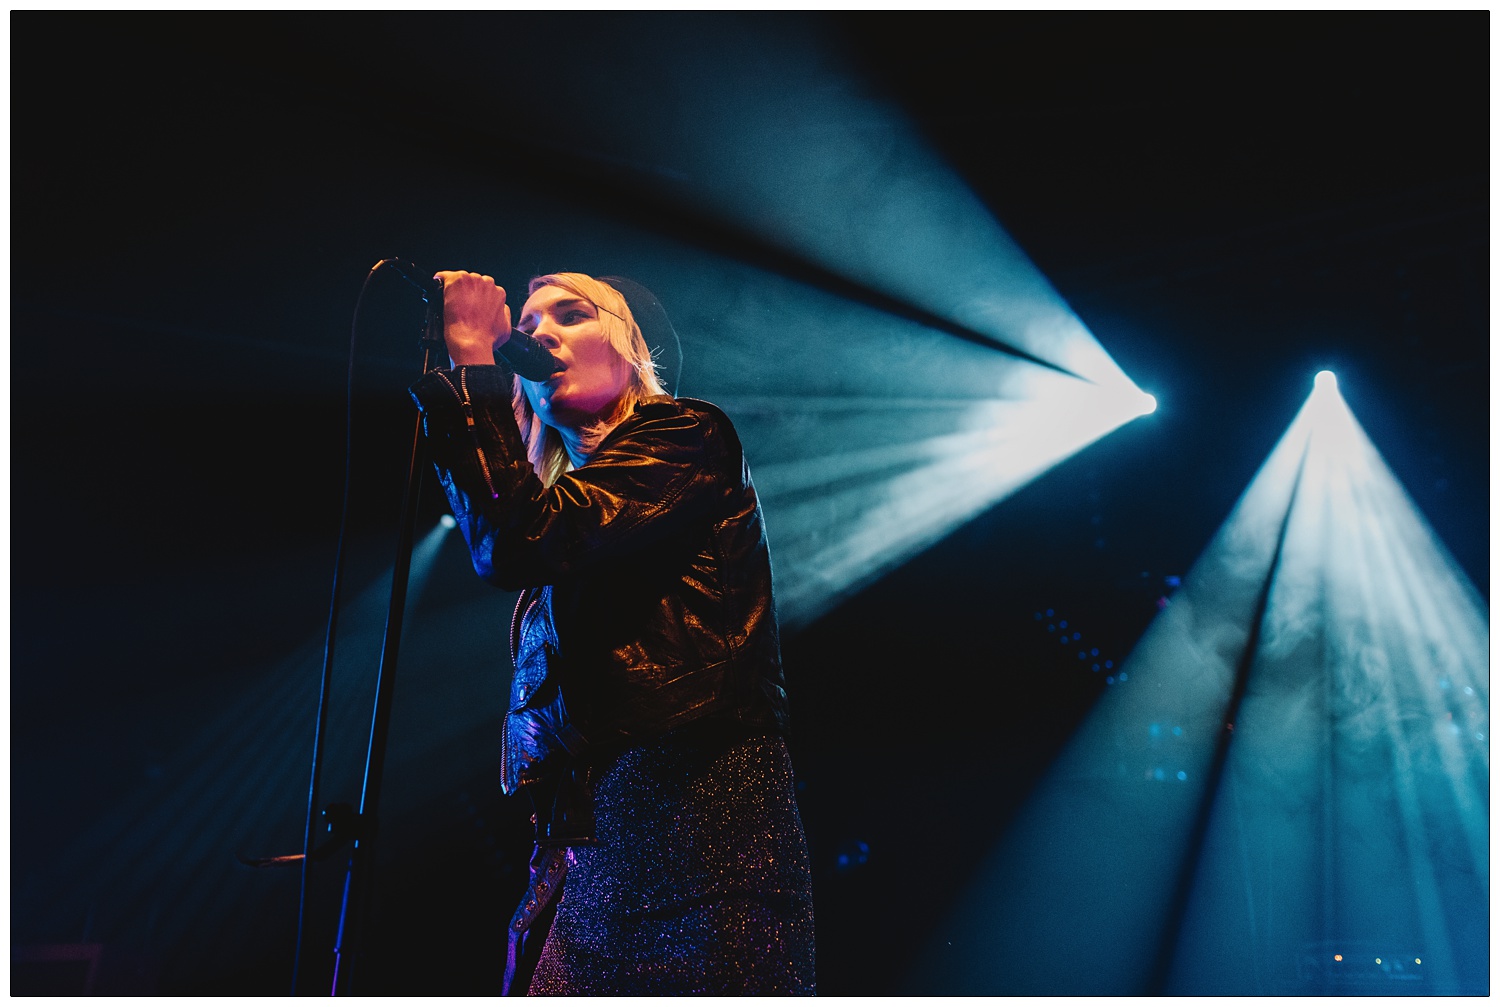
(544, 445)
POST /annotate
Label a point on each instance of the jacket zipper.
(468, 408)
(522, 603)
(515, 624)
(505, 748)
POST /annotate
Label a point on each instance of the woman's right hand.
(476, 319)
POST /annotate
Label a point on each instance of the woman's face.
(596, 376)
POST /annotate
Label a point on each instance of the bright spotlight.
(447, 522)
(933, 370)
(1148, 404)
(1325, 381)
(1328, 624)
(854, 484)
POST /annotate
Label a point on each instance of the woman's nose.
(546, 337)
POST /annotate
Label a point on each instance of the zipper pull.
(484, 467)
(468, 407)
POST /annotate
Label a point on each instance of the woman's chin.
(566, 415)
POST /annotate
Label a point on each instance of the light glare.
(874, 437)
(864, 491)
(1328, 604)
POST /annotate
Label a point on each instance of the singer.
(648, 708)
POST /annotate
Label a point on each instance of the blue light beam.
(158, 870)
(1327, 789)
(793, 150)
(870, 436)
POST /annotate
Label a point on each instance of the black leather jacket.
(649, 563)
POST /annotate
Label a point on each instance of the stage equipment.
(361, 829)
(530, 359)
(346, 825)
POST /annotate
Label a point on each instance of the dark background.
(1229, 202)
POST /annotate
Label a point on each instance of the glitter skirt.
(700, 884)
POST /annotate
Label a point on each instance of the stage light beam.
(873, 437)
(238, 784)
(1345, 804)
(795, 152)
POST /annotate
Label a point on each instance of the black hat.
(666, 348)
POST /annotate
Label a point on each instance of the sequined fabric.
(701, 884)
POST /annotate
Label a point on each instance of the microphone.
(529, 358)
(524, 354)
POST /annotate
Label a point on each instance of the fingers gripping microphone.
(525, 355)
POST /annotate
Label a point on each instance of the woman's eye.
(573, 317)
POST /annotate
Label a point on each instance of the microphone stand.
(528, 358)
(356, 896)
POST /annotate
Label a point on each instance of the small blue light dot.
(1173, 581)
(1038, 617)
(1082, 656)
(1182, 774)
(1096, 668)
(1443, 683)
(1078, 636)
(1109, 680)
(1095, 652)
(1158, 774)
(1064, 640)
(1109, 664)
(1177, 731)
(1051, 628)
(1063, 623)
(1155, 730)
(1049, 613)
(1124, 677)
(1455, 728)
(1479, 735)
(1468, 690)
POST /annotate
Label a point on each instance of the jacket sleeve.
(652, 475)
